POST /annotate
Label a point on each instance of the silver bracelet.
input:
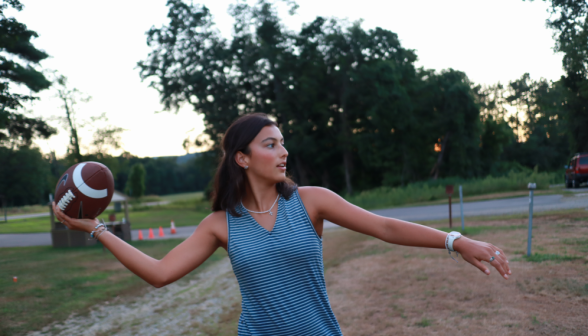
(96, 228)
(101, 232)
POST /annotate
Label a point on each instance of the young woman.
(272, 231)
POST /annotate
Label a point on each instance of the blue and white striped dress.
(280, 273)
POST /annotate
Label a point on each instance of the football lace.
(64, 201)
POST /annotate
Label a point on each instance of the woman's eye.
(272, 145)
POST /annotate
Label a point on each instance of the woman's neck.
(259, 197)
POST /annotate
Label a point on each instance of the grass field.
(375, 288)
(27, 209)
(53, 283)
(182, 196)
(28, 225)
(183, 211)
(139, 220)
(433, 190)
(189, 209)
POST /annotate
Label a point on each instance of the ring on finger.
(497, 252)
(492, 259)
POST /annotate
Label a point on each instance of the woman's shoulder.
(216, 219)
(315, 195)
(216, 223)
(312, 192)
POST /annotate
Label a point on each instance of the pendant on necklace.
(271, 214)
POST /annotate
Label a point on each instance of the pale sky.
(97, 44)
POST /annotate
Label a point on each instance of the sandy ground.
(381, 289)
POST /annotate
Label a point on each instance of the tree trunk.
(347, 164)
(302, 173)
(74, 132)
(405, 176)
(325, 178)
(346, 136)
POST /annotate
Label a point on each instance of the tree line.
(33, 175)
(355, 111)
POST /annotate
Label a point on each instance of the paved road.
(483, 208)
(415, 214)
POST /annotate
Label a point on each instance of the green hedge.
(435, 189)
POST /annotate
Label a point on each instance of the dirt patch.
(204, 305)
(383, 289)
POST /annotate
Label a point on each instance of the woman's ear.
(242, 160)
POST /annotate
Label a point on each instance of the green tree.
(535, 136)
(544, 130)
(304, 80)
(136, 183)
(27, 176)
(521, 97)
(18, 61)
(371, 80)
(450, 122)
(497, 135)
(569, 20)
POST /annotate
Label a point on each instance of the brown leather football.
(85, 190)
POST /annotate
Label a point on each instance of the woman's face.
(267, 156)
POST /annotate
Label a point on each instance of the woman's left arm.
(334, 208)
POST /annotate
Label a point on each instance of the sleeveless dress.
(280, 273)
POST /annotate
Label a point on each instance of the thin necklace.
(260, 212)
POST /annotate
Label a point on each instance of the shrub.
(435, 189)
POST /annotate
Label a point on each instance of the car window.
(584, 160)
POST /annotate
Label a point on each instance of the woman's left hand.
(475, 252)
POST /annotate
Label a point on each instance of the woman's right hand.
(86, 225)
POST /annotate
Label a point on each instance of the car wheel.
(567, 183)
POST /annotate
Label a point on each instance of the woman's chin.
(280, 178)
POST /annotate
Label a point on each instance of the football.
(85, 190)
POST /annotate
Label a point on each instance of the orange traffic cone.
(161, 232)
(15, 279)
(140, 235)
(151, 236)
(173, 228)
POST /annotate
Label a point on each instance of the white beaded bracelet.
(101, 232)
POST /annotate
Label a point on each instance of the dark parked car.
(577, 170)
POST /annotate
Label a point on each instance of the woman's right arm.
(180, 261)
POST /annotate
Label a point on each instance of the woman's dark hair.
(230, 179)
